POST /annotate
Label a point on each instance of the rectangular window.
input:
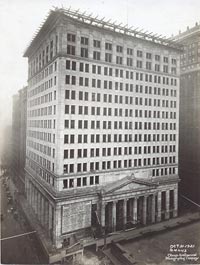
(96, 55)
(108, 46)
(84, 40)
(118, 60)
(119, 48)
(71, 37)
(139, 53)
(71, 49)
(84, 52)
(97, 43)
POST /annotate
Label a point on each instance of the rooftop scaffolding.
(108, 25)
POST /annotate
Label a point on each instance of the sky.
(19, 19)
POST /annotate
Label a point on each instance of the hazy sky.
(19, 19)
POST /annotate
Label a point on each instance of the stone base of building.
(67, 218)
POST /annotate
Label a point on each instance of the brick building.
(189, 145)
(102, 127)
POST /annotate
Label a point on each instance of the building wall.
(96, 120)
(190, 114)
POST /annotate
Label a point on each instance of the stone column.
(167, 205)
(39, 206)
(46, 214)
(153, 209)
(130, 212)
(135, 210)
(144, 210)
(103, 210)
(175, 211)
(124, 213)
(99, 212)
(33, 202)
(31, 194)
(50, 216)
(159, 207)
(57, 227)
(42, 210)
(114, 215)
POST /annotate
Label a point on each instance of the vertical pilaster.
(135, 210)
(159, 207)
(114, 215)
(130, 210)
(175, 211)
(103, 208)
(167, 205)
(42, 210)
(39, 206)
(50, 216)
(124, 212)
(153, 212)
(57, 226)
(144, 210)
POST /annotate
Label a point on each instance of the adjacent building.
(19, 117)
(189, 145)
(102, 126)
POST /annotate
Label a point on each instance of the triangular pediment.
(128, 184)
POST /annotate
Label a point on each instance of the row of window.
(116, 151)
(108, 84)
(42, 99)
(120, 60)
(107, 165)
(94, 180)
(118, 48)
(46, 150)
(42, 87)
(109, 98)
(117, 138)
(156, 91)
(43, 136)
(44, 56)
(80, 182)
(50, 110)
(48, 71)
(107, 125)
(46, 124)
(42, 172)
(45, 163)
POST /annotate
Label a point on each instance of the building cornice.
(101, 24)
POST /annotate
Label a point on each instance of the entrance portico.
(131, 201)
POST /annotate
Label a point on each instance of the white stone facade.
(102, 113)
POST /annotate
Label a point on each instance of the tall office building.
(189, 144)
(102, 126)
(19, 117)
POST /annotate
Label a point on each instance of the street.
(154, 249)
(17, 250)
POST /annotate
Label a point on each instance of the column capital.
(104, 203)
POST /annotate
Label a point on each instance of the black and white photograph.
(100, 132)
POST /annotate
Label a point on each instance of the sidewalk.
(144, 231)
